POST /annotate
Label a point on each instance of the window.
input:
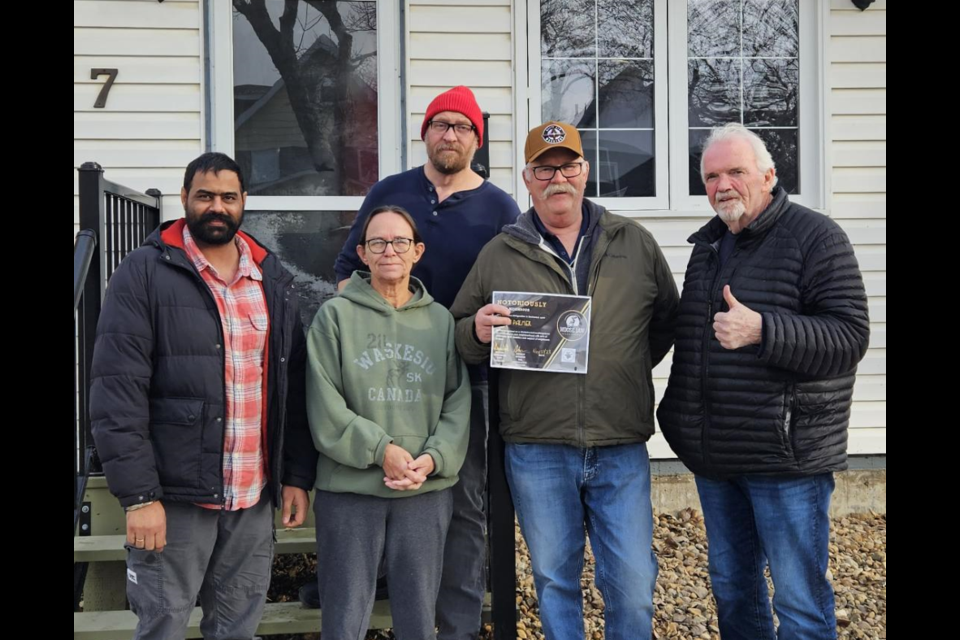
(645, 95)
(313, 99)
(601, 68)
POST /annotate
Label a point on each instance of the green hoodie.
(378, 375)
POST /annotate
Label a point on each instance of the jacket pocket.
(789, 417)
(176, 431)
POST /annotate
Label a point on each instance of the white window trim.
(671, 108)
(812, 162)
(388, 91)
(532, 108)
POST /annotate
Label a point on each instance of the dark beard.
(213, 236)
(449, 165)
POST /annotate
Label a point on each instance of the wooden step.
(110, 548)
(278, 617)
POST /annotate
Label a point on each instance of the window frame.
(220, 117)
(671, 110)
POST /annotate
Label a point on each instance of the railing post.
(503, 562)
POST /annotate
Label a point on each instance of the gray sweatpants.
(353, 533)
(225, 556)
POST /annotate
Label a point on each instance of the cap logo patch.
(554, 134)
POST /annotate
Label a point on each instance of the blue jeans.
(559, 492)
(784, 521)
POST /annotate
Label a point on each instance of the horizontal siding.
(136, 15)
(139, 70)
(473, 73)
(91, 126)
(856, 153)
(144, 42)
(857, 124)
(464, 17)
(858, 49)
(152, 124)
(865, 75)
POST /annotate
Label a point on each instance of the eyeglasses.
(546, 172)
(379, 245)
(441, 127)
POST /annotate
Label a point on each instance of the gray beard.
(731, 212)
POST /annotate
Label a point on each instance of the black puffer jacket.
(782, 407)
(158, 399)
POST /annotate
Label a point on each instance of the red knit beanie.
(461, 100)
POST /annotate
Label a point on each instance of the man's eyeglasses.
(569, 170)
(441, 127)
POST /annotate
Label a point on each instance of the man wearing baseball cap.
(576, 456)
(457, 213)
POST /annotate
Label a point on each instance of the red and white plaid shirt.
(246, 323)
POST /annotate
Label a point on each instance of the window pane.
(713, 92)
(568, 29)
(306, 108)
(626, 164)
(713, 28)
(626, 94)
(770, 92)
(771, 28)
(307, 242)
(697, 138)
(625, 28)
(783, 145)
(589, 139)
(743, 66)
(597, 73)
(569, 94)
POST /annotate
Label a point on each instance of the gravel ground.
(684, 604)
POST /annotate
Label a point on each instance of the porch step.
(110, 548)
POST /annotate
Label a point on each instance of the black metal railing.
(114, 220)
(119, 220)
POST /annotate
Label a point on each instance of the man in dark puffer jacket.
(772, 323)
(198, 411)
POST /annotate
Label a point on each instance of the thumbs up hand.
(738, 327)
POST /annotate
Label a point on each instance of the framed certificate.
(548, 332)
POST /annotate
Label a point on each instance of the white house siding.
(152, 124)
(857, 157)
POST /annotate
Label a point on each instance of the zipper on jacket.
(581, 383)
(791, 401)
(571, 269)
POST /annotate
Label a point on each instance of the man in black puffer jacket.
(198, 411)
(772, 323)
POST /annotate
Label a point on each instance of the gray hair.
(736, 130)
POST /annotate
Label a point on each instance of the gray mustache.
(554, 189)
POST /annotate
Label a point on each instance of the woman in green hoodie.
(389, 405)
